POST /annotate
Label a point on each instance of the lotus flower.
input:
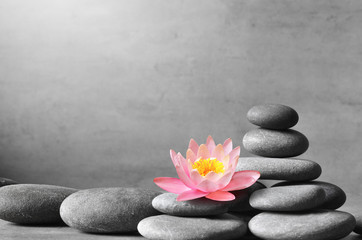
(208, 171)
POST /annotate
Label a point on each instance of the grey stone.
(281, 168)
(165, 227)
(313, 225)
(241, 202)
(108, 210)
(6, 181)
(335, 196)
(288, 198)
(275, 143)
(273, 116)
(32, 203)
(358, 228)
(167, 203)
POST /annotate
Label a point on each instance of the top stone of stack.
(273, 116)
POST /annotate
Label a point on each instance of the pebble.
(314, 225)
(358, 228)
(241, 202)
(167, 203)
(165, 227)
(274, 143)
(288, 198)
(281, 168)
(6, 181)
(32, 203)
(108, 210)
(273, 116)
(335, 196)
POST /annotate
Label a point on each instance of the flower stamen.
(204, 166)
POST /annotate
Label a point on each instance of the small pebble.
(335, 196)
(288, 198)
(274, 143)
(313, 225)
(281, 168)
(165, 227)
(273, 116)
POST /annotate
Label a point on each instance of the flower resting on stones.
(208, 171)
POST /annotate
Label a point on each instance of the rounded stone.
(313, 225)
(241, 201)
(288, 198)
(274, 143)
(167, 203)
(165, 227)
(281, 168)
(358, 228)
(6, 181)
(335, 196)
(273, 116)
(32, 203)
(108, 210)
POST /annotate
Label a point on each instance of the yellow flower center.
(204, 166)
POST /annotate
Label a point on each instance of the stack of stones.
(298, 208)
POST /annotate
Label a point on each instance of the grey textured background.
(95, 92)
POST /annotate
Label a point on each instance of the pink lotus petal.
(183, 175)
(225, 179)
(191, 194)
(208, 186)
(173, 157)
(184, 163)
(173, 185)
(234, 155)
(195, 176)
(212, 176)
(193, 146)
(225, 161)
(203, 152)
(221, 196)
(210, 144)
(241, 180)
(191, 155)
(218, 152)
(228, 146)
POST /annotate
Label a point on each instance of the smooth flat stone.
(281, 168)
(273, 116)
(335, 196)
(358, 228)
(314, 225)
(167, 203)
(241, 202)
(165, 227)
(6, 181)
(275, 143)
(108, 210)
(32, 203)
(288, 198)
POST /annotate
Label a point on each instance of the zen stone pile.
(299, 207)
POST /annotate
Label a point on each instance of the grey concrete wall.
(95, 92)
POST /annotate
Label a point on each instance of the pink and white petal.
(195, 176)
(208, 186)
(225, 180)
(212, 176)
(221, 196)
(225, 161)
(191, 194)
(184, 163)
(193, 146)
(228, 146)
(203, 152)
(190, 155)
(233, 154)
(184, 177)
(173, 157)
(173, 185)
(242, 180)
(218, 152)
(210, 144)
